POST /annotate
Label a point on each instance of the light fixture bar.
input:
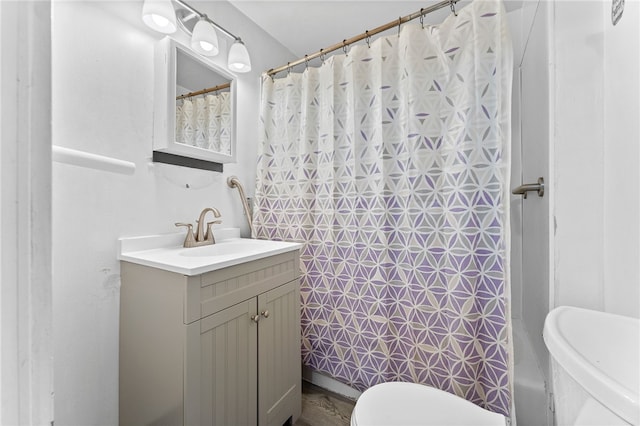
(197, 12)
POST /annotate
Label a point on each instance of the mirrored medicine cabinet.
(194, 108)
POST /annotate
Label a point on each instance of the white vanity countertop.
(166, 252)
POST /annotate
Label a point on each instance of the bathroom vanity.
(210, 335)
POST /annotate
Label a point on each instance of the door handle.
(528, 187)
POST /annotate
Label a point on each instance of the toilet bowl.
(399, 403)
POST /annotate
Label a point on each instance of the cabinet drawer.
(211, 292)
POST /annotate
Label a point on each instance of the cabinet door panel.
(221, 368)
(279, 355)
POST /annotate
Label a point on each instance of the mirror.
(194, 113)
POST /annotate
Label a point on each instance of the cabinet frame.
(163, 318)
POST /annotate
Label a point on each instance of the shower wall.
(534, 82)
(530, 233)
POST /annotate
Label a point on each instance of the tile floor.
(323, 408)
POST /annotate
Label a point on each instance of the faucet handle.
(209, 235)
(190, 239)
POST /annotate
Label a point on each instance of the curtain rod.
(203, 91)
(365, 35)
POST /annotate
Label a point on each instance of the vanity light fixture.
(238, 59)
(204, 39)
(161, 16)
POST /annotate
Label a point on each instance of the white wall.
(596, 143)
(102, 103)
(26, 365)
(622, 162)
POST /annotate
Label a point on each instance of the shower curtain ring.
(344, 47)
(306, 62)
(453, 7)
(288, 69)
(399, 24)
(422, 18)
(368, 39)
(322, 56)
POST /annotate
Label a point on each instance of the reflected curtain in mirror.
(205, 122)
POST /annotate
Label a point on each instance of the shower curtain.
(390, 163)
(205, 122)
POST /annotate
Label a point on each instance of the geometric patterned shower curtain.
(391, 165)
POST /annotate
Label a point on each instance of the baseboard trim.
(329, 383)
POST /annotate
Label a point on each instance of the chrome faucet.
(201, 238)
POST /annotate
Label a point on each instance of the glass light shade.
(239, 60)
(204, 39)
(159, 15)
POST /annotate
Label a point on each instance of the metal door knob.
(255, 318)
(265, 313)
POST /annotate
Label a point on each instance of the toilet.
(404, 404)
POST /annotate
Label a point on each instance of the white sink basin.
(166, 252)
(601, 352)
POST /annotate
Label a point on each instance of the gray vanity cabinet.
(221, 348)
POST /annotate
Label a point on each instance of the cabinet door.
(279, 369)
(221, 376)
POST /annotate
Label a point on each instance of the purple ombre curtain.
(390, 164)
